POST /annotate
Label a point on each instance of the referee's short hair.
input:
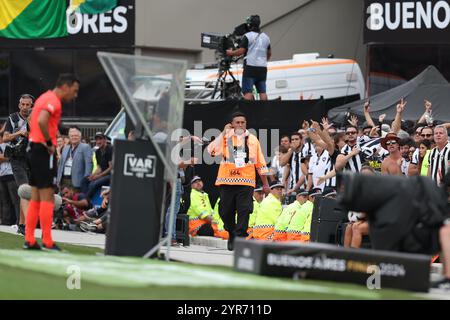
(66, 78)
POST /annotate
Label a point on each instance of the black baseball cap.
(302, 192)
(329, 191)
(315, 192)
(99, 135)
(275, 184)
(195, 178)
(258, 188)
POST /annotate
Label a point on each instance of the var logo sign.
(138, 166)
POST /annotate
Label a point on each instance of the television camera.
(221, 43)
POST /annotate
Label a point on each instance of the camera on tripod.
(223, 88)
(221, 43)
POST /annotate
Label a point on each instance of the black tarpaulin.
(430, 85)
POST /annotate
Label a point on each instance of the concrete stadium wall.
(172, 28)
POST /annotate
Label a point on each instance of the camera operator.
(16, 134)
(256, 47)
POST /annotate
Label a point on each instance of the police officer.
(256, 47)
(16, 134)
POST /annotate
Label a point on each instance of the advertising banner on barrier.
(407, 21)
(371, 268)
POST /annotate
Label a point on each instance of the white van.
(305, 76)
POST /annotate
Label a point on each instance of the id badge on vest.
(239, 159)
(68, 167)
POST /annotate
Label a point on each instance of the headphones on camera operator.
(253, 23)
(17, 148)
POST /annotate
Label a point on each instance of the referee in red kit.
(42, 159)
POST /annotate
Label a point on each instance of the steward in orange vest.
(241, 156)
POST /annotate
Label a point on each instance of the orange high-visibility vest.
(229, 146)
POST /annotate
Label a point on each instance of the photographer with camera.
(16, 134)
(9, 200)
(255, 45)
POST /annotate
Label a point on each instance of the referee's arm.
(43, 119)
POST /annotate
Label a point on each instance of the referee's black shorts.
(42, 166)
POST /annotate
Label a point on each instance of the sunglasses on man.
(391, 142)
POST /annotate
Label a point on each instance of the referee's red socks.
(42, 211)
(31, 221)
(46, 219)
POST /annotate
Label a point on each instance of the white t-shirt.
(276, 169)
(318, 167)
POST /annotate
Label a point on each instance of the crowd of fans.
(83, 175)
(305, 166)
(306, 163)
(83, 178)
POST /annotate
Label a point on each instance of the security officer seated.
(268, 213)
(200, 211)
(288, 213)
(258, 197)
(300, 225)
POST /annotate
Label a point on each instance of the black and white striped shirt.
(415, 157)
(332, 163)
(308, 149)
(354, 164)
(296, 168)
(439, 163)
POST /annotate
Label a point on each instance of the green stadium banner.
(33, 19)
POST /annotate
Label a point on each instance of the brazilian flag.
(92, 6)
(33, 19)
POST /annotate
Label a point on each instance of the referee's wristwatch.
(49, 143)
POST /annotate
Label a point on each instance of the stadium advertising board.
(408, 21)
(115, 28)
(330, 262)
